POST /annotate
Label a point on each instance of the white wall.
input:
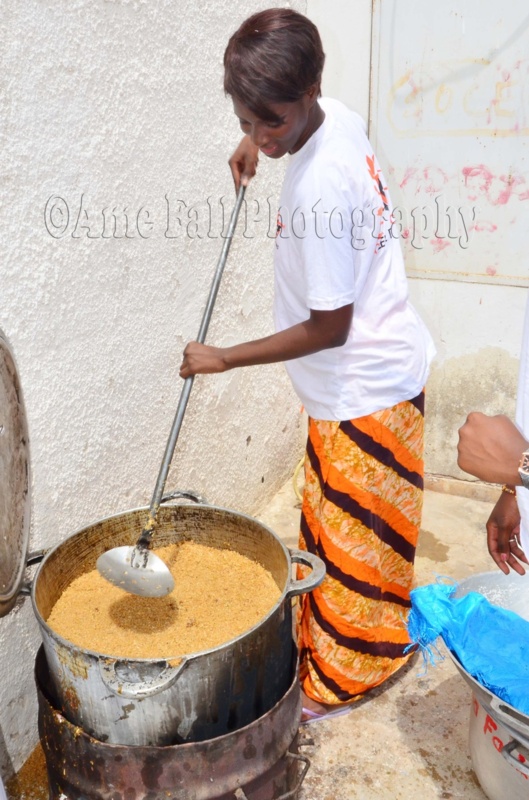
(477, 330)
(116, 105)
(345, 29)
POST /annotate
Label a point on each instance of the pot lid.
(14, 480)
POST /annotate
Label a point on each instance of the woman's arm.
(323, 330)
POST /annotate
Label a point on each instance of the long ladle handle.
(147, 532)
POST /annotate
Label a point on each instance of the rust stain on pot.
(152, 772)
(126, 711)
(71, 698)
(249, 752)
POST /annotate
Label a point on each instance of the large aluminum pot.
(512, 593)
(183, 697)
(500, 763)
(498, 732)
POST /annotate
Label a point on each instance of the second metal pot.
(512, 593)
(258, 762)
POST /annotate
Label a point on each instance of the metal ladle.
(136, 568)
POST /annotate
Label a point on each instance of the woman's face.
(297, 123)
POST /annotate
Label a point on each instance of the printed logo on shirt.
(381, 220)
(280, 225)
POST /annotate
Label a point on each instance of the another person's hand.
(490, 448)
(503, 531)
(243, 162)
(201, 359)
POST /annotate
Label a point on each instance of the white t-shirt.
(334, 246)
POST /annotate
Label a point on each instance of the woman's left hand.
(201, 359)
(503, 532)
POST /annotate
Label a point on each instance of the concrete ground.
(408, 738)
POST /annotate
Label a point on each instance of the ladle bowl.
(150, 578)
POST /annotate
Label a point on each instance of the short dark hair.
(274, 57)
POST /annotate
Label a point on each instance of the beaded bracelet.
(508, 489)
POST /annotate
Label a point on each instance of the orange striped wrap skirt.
(361, 514)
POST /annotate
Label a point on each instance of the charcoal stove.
(257, 762)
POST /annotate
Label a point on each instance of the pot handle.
(311, 581)
(135, 680)
(505, 715)
(32, 558)
(185, 495)
(506, 752)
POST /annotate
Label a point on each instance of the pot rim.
(181, 657)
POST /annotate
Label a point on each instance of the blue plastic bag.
(491, 643)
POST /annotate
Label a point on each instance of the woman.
(356, 351)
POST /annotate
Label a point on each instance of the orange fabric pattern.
(361, 514)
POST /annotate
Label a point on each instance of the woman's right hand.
(503, 532)
(201, 359)
(243, 163)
